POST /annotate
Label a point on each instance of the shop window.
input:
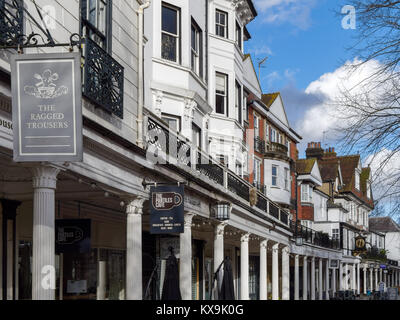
(170, 34)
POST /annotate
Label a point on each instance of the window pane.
(168, 47)
(169, 20)
(102, 14)
(194, 44)
(274, 170)
(220, 83)
(92, 12)
(220, 104)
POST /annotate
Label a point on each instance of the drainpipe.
(140, 13)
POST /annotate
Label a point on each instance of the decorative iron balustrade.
(260, 187)
(104, 79)
(239, 187)
(276, 147)
(262, 204)
(211, 170)
(169, 143)
(284, 217)
(259, 145)
(314, 237)
(273, 210)
(11, 22)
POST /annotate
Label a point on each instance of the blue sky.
(303, 40)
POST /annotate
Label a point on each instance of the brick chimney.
(314, 150)
(330, 153)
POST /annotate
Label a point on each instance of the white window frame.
(287, 184)
(238, 102)
(225, 96)
(256, 121)
(273, 135)
(195, 58)
(223, 26)
(257, 171)
(177, 36)
(335, 234)
(172, 117)
(238, 35)
(275, 176)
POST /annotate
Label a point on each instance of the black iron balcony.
(169, 147)
(314, 237)
(103, 79)
(207, 166)
(11, 22)
(260, 187)
(375, 253)
(238, 186)
(259, 145)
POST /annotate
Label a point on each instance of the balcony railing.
(259, 145)
(11, 22)
(164, 143)
(375, 253)
(103, 79)
(315, 237)
(275, 147)
(260, 187)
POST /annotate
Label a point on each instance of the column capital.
(264, 244)
(135, 205)
(45, 176)
(245, 237)
(220, 227)
(188, 219)
(285, 250)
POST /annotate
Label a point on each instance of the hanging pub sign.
(167, 209)
(47, 107)
(73, 235)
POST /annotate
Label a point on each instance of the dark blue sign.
(382, 266)
(167, 209)
(73, 235)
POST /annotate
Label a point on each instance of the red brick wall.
(306, 212)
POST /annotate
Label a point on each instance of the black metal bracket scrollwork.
(11, 29)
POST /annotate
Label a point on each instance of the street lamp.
(222, 211)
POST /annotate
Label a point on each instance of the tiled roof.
(329, 169)
(348, 165)
(304, 166)
(383, 224)
(269, 98)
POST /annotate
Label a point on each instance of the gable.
(278, 110)
(250, 77)
(316, 173)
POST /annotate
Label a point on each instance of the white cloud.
(321, 120)
(295, 12)
(258, 51)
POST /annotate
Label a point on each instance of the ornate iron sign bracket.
(11, 28)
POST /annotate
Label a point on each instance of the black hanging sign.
(73, 235)
(167, 209)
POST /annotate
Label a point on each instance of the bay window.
(221, 93)
(238, 35)
(286, 179)
(196, 49)
(257, 171)
(170, 34)
(221, 23)
(275, 176)
(238, 102)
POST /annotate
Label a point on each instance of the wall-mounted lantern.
(221, 211)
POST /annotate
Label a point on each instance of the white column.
(43, 255)
(376, 280)
(333, 281)
(312, 278)
(380, 275)
(353, 278)
(341, 287)
(385, 279)
(296, 277)
(305, 278)
(101, 279)
(218, 251)
(320, 289)
(358, 279)
(285, 274)
(275, 271)
(346, 272)
(371, 285)
(134, 286)
(185, 258)
(327, 279)
(365, 280)
(244, 267)
(263, 270)
(10, 257)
